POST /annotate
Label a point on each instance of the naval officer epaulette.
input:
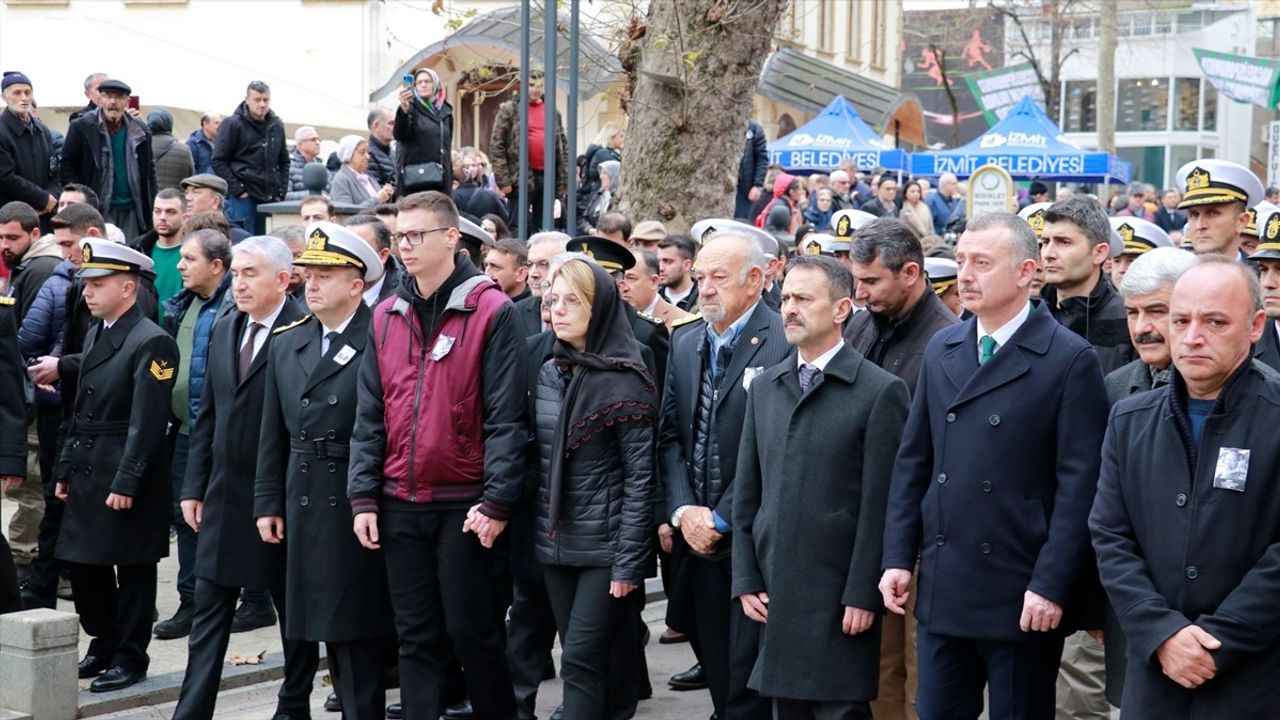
(686, 320)
(291, 325)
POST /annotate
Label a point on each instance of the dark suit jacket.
(905, 342)
(529, 311)
(1267, 349)
(224, 454)
(995, 476)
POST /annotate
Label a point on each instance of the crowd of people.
(886, 460)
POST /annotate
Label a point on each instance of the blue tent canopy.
(836, 134)
(1028, 145)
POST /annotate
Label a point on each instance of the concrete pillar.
(39, 658)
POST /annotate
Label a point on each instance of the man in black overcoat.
(114, 466)
(1267, 260)
(337, 589)
(13, 439)
(218, 493)
(1186, 523)
(821, 431)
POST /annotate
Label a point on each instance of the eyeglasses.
(415, 237)
(571, 302)
(543, 265)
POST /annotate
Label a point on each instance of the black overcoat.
(1267, 349)
(115, 443)
(1174, 550)
(224, 455)
(336, 589)
(809, 503)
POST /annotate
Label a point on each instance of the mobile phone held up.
(134, 103)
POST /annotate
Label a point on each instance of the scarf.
(437, 97)
(610, 384)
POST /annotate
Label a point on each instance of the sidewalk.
(249, 690)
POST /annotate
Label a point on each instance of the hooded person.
(785, 188)
(595, 423)
(173, 159)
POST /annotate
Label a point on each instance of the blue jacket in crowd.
(45, 322)
(174, 309)
(201, 151)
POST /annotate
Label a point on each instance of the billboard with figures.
(942, 49)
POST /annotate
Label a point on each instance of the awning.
(808, 84)
(494, 38)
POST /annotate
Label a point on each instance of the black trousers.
(531, 631)
(116, 605)
(45, 570)
(10, 597)
(441, 590)
(207, 647)
(1020, 677)
(592, 623)
(820, 710)
(356, 669)
(727, 641)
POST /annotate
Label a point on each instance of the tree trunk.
(1106, 119)
(687, 120)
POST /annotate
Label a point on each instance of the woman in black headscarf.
(595, 423)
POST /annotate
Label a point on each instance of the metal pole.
(519, 199)
(571, 203)
(549, 108)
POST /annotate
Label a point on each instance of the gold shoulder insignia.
(685, 320)
(291, 325)
(649, 317)
(7, 301)
(161, 371)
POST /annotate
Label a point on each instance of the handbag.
(423, 176)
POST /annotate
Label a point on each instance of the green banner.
(998, 90)
(1243, 79)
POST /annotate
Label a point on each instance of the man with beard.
(1267, 261)
(676, 254)
(163, 243)
(251, 156)
(110, 151)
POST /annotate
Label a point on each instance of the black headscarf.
(610, 383)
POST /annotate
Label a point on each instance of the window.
(879, 32)
(1186, 104)
(1180, 155)
(1210, 122)
(1080, 106)
(853, 33)
(1148, 163)
(1142, 105)
(826, 25)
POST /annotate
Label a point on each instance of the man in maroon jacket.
(438, 454)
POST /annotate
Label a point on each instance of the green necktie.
(986, 348)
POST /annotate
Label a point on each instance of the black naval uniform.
(115, 444)
(13, 436)
(230, 554)
(336, 588)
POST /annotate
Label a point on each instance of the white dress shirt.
(325, 330)
(821, 361)
(1004, 332)
(260, 338)
(371, 292)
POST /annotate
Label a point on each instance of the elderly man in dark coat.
(114, 470)
(218, 491)
(992, 487)
(817, 450)
(1186, 523)
(337, 589)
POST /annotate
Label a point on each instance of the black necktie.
(246, 352)
(329, 337)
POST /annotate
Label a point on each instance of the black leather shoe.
(93, 666)
(332, 703)
(558, 714)
(117, 678)
(31, 600)
(691, 679)
(394, 712)
(178, 626)
(461, 710)
(251, 616)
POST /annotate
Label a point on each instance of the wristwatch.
(679, 513)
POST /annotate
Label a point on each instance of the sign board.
(998, 91)
(1273, 152)
(990, 190)
(1243, 79)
